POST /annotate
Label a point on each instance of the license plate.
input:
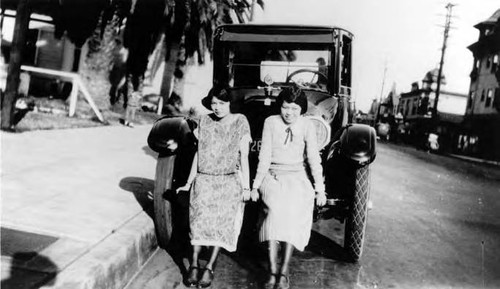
(255, 146)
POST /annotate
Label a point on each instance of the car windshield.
(254, 64)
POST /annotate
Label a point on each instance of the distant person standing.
(323, 73)
(117, 74)
(134, 90)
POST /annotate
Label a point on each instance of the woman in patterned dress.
(288, 145)
(219, 184)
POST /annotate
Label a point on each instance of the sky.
(402, 37)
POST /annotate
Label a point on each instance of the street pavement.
(71, 213)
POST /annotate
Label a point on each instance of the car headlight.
(323, 130)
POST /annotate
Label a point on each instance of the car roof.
(278, 33)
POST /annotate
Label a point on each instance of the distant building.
(416, 108)
(481, 137)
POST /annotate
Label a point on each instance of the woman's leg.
(196, 253)
(208, 273)
(284, 282)
(192, 277)
(213, 258)
(273, 262)
(287, 256)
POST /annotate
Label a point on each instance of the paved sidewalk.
(73, 207)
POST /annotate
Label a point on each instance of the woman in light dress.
(288, 146)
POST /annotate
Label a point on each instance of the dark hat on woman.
(219, 92)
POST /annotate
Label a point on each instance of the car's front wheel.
(162, 206)
(358, 212)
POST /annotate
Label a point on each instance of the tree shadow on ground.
(142, 189)
(30, 270)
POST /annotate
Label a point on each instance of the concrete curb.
(475, 160)
(114, 261)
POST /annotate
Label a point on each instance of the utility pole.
(377, 117)
(252, 10)
(449, 7)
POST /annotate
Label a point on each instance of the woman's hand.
(320, 199)
(254, 195)
(186, 188)
(172, 145)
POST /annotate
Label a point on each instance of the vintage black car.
(256, 62)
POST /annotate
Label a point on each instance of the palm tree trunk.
(14, 70)
(174, 71)
(168, 72)
(180, 69)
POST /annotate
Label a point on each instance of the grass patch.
(53, 114)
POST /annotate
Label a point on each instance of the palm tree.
(184, 26)
(188, 30)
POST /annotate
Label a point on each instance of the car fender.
(178, 128)
(356, 143)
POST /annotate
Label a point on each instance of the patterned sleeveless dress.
(216, 206)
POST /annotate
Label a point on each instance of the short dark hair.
(295, 95)
(219, 92)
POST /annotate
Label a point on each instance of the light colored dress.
(216, 206)
(286, 190)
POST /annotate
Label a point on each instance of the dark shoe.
(283, 282)
(271, 281)
(206, 278)
(192, 277)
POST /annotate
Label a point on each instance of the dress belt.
(213, 174)
(287, 168)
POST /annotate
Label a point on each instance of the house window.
(495, 63)
(489, 97)
(472, 95)
(478, 62)
(483, 95)
(488, 62)
(496, 101)
(414, 107)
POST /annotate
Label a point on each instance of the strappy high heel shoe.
(206, 278)
(192, 276)
(283, 282)
(271, 281)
